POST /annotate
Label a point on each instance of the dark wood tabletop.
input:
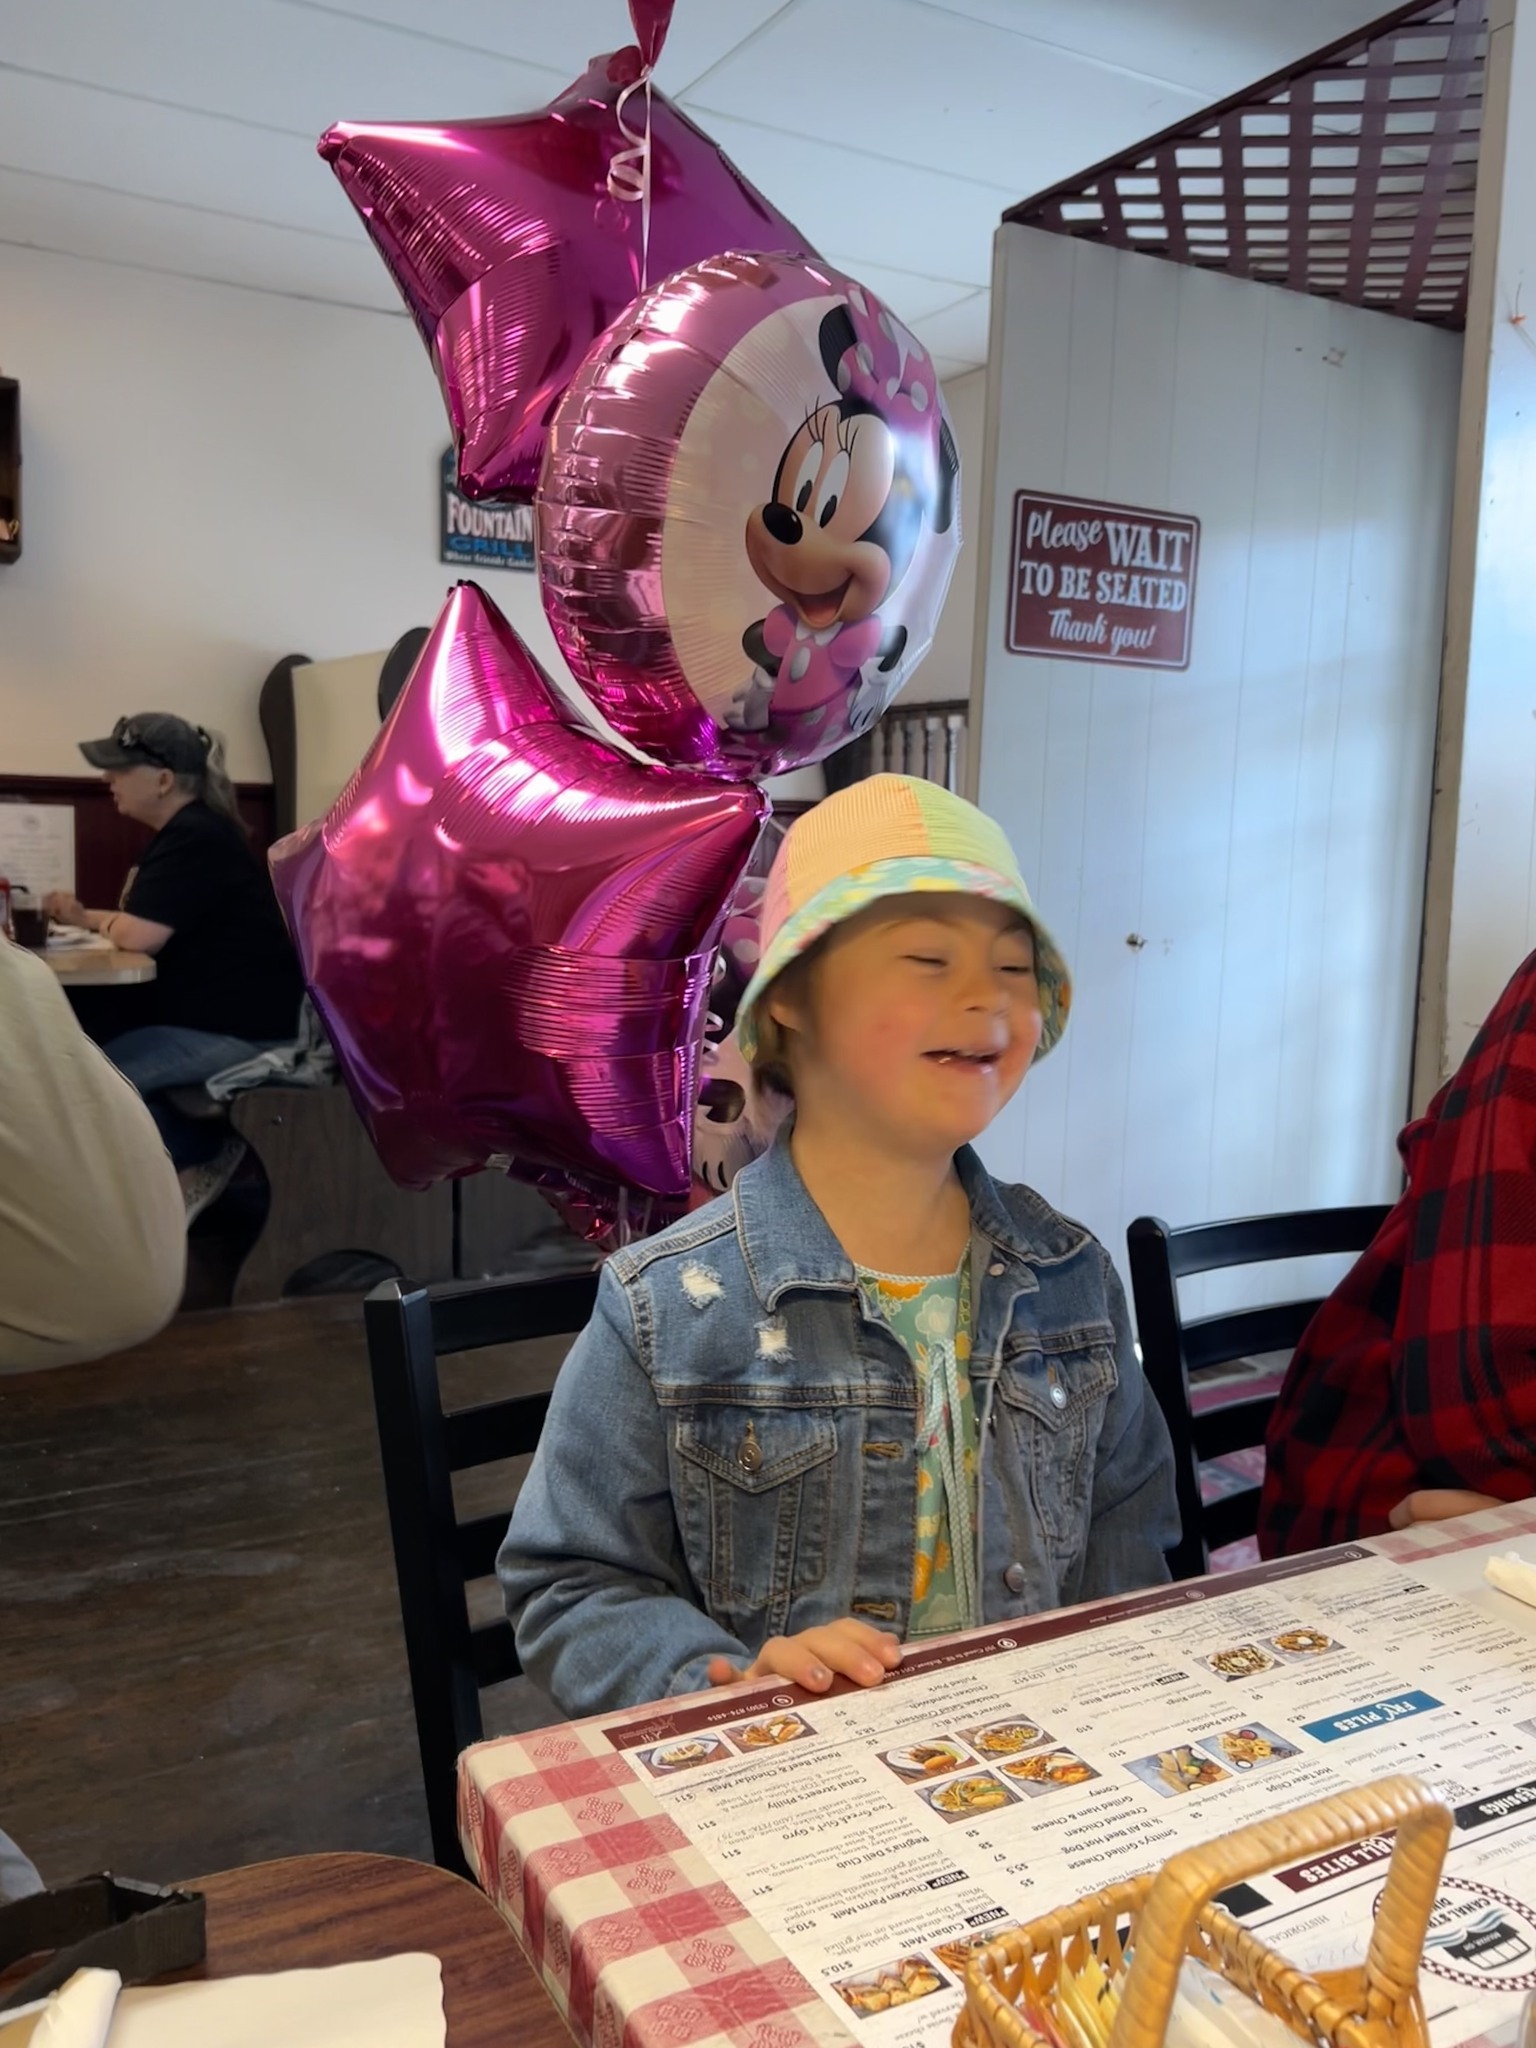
(308, 1912)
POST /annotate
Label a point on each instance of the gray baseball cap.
(151, 739)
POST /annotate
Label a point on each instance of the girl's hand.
(1439, 1504)
(847, 1649)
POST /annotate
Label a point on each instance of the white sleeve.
(92, 1222)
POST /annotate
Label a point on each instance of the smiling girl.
(871, 1394)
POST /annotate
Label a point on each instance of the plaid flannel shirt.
(1419, 1370)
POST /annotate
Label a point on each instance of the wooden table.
(91, 967)
(309, 1912)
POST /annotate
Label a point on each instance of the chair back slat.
(1231, 1518)
(493, 1653)
(494, 1429)
(468, 1315)
(1172, 1348)
(1235, 1426)
(476, 1543)
(409, 1329)
(1246, 1333)
(1260, 1240)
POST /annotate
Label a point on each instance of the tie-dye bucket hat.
(891, 835)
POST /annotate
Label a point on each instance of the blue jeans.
(161, 1056)
(18, 1876)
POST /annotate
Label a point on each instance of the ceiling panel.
(894, 214)
(563, 37)
(958, 334)
(912, 297)
(939, 90)
(180, 133)
(115, 227)
(265, 61)
(83, 133)
(1214, 47)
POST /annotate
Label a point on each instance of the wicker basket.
(1172, 1916)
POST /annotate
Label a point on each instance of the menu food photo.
(838, 1859)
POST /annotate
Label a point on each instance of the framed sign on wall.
(482, 536)
(1094, 581)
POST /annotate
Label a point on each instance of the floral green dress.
(932, 1317)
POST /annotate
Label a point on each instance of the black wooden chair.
(1172, 1349)
(409, 1329)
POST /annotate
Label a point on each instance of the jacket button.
(997, 1269)
(1015, 1578)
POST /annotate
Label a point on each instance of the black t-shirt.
(228, 965)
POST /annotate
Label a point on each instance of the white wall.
(1480, 918)
(946, 671)
(1258, 821)
(212, 478)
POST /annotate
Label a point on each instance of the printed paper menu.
(878, 1836)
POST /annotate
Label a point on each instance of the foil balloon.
(736, 1116)
(749, 515)
(509, 929)
(515, 241)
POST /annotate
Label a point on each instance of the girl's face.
(916, 1022)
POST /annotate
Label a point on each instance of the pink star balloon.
(513, 255)
(509, 929)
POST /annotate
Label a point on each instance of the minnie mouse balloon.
(748, 515)
(509, 929)
(512, 253)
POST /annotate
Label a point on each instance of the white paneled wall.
(946, 670)
(1481, 914)
(1232, 856)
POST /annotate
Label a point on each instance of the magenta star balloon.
(513, 254)
(509, 928)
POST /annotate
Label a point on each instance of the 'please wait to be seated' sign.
(1099, 582)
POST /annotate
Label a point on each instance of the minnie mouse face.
(816, 543)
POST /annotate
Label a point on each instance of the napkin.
(1511, 1574)
(78, 2015)
(396, 2003)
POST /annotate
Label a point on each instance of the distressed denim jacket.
(729, 1453)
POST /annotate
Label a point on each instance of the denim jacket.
(729, 1453)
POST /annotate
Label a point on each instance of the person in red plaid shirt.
(1412, 1394)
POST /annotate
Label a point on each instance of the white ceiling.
(178, 135)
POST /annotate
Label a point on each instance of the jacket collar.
(787, 1242)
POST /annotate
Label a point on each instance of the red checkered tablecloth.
(637, 1940)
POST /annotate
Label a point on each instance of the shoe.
(201, 1186)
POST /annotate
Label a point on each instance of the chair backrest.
(398, 663)
(335, 720)
(911, 739)
(319, 719)
(409, 1329)
(1213, 1423)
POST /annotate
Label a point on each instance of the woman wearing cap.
(227, 982)
(870, 1394)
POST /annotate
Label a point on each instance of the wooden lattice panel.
(1352, 176)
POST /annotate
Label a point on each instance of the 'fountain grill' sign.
(482, 536)
(1099, 582)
